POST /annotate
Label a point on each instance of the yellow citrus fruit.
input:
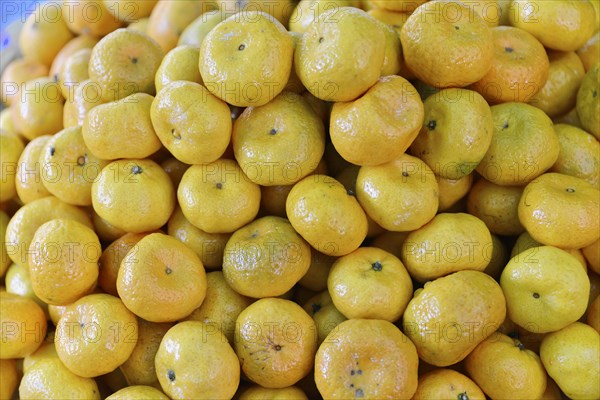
(446, 327)
(589, 53)
(129, 11)
(5, 260)
(110, 260)
(497, 206)
(15, 74)
(450, 242)
(250, 56)
(257, 392)
(11, 148)
(451, 191)
(18, 281)
(90, 17)
(58, 383)
(139, 368)
(135, 195)
(63, 261)
(307, 11)
(545, 288)
(336, 59)
(196, 31)
(326, 316)
(25, 222)
(175, 169)
(401, 195)
(315, 278)
(280, 142)
(46, 351)
(444, 383)
(23, 326)
(28, 182)
(504, 368)
(39, 109)
(592, 255)
(86, 96)
(104, 125)
(124, 62)
(44, 33)
(524, 145)
(208, 246)
(179, 64)
(559, 94)
(138, 392)
(456, 132)
(265, 258)
(519, 68)
(275, 341)
(73, 72)
(379, 126)
(367, 358)
(221, 306)
(193, 361)
(69, 168)
(572, 358)
(579, 154)
(328, 217)
(593, 314)
(370, 283)
(161, 279)
(398, 5)
(106, 232)
(544, 213)
(560, 25)
(446, 44)
(168, 19)
(588, 101)
(218, 197)
(72, 46)
(192, 124)
(9, 376)
(95, 335)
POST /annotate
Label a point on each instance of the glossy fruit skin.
(445, 327)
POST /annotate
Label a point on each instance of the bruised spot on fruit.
(508, 49)
(536, 295)
(359, 393)
(168, 270)
(431, 125)
(277, 347)
(456, 27)
(134, 60)
(171, 375)
(594, 93)
(462, 396)
(241, 47)
(505, 125)
(321, 39)
(376, 267)
(52, 151)
(405, 174)
(570, 190)
(273, 132)
(316, 308)
(175, 134)
(81, 160)
(136, 170)
(219, 185)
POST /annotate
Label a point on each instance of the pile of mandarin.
(283, 199)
